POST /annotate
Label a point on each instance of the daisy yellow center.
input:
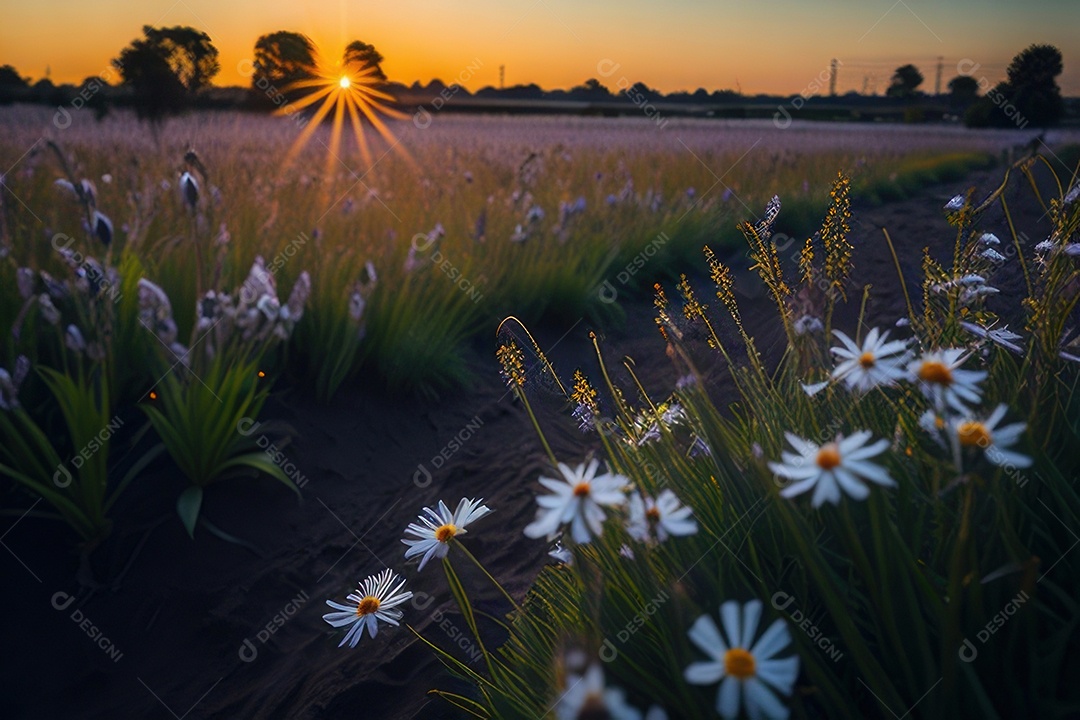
(935, 371)
(867, 360)
(739, 664)
(581, 489)
(367, 606)
(653, 514)
(973, 434)
(444, 532)
(828, 456)
(344, 82)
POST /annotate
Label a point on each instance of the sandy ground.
(207, 629)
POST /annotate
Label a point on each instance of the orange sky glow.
(769, 46)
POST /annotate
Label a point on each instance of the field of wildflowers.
(880, 526)
(881, 522)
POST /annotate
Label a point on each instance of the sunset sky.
(765, 46)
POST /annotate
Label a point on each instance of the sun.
(351, 90)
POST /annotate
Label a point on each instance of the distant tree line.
(169, 70)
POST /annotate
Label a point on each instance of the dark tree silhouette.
(1029, 95)
(359, 55)
(13, 86)
(1032, 79)
(905, 82)
(281, 59)
(963, 91)
(166, 68)
(591, 89)
(10, 79)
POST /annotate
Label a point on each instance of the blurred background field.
(463, 220)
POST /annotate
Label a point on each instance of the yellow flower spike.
(834, 232)
(691, 307)
(583, 393)
(806, 261)
(512, 359)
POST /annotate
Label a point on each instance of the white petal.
(751, 617)
(799, 488)
(869, 471)
(803, 447)
(704, 673)
(729, 616)
(579, 531)
(706, 636)
(340, 619)
(826, 491)
(545, 524)
(761, 702)
(771, 641)
(780, 673)
(850, 484)
(339, 606)
(727, 698)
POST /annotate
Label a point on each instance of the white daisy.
(440, 527)
(943, 382)
(655, 520)
(578, 500)
(877, 362)
(967, 433)
(750, 672)
(831, 468)
(992, 255)
(587, 696)
(375, 600)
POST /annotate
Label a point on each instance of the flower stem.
(536, 424)
(483, 569)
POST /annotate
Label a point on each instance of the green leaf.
(187, 506)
